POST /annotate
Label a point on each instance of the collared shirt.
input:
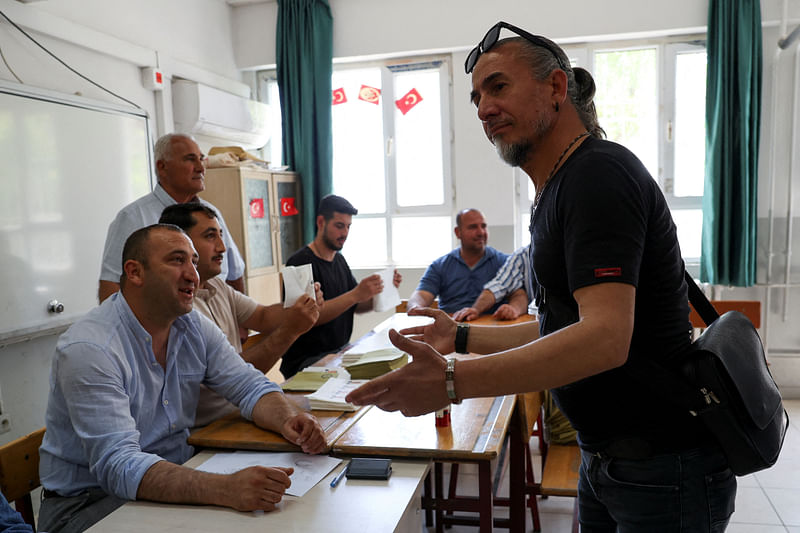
(113, 411)
(227, 308)
(145, 211)
(456, 284)
(515, 274)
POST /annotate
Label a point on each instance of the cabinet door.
(288, 207)
(259, 231)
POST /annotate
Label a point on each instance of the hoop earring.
(556, 107)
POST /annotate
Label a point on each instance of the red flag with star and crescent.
(257, 208)
(338, 96)
(408, 101)
(287, 207)
(369, 94)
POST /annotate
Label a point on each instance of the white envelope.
(297, 281)
(388, 298)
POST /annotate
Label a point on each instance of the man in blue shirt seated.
(124, 387)
(513, 281)
(458, 277)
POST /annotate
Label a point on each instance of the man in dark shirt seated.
(343, 295)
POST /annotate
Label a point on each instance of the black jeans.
(692, 491)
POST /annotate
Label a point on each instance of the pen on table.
(339, 476)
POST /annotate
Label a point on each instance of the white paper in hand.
(297, 281)
(388, 298)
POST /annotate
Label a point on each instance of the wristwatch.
(462, 330)
(449, 380)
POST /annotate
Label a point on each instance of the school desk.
(353, 505)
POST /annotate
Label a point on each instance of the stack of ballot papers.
(373, 364)
(312, 378)
(330, 397)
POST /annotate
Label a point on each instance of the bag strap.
(664, 380)
(699, 300)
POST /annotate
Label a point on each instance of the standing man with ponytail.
(611, 295)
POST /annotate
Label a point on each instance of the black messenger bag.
(731, 389)
(725, 382)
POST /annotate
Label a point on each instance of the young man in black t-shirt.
(343, 295)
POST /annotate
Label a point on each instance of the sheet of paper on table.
(331, 395)
(308, 469)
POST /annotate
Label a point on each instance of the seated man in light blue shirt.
(124, 388)
(458, 277)
(513, 281)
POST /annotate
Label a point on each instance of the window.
(651, 98)
(391, 160)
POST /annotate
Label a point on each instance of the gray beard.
(517, 154)
(514, 154)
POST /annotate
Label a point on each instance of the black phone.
(369, 468)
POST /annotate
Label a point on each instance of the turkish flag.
(287, 207)
(338, 96)
(408, 101)
(257, 208)
(369, 94)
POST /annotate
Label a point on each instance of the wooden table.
(476, 435)
(233, 431)
(354, 505)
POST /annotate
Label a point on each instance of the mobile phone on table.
(369, 468)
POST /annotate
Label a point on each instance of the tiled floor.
(766, 502)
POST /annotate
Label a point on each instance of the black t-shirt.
(335, 279)
(602, 218)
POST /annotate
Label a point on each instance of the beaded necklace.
(558, 161)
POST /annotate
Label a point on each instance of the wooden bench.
(750, 308)
(560, 470)
(560, 462)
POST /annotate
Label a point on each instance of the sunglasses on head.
(490, 39)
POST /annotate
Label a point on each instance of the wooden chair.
(750, 308)
(19, 472)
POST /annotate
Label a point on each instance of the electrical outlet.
(5, 424)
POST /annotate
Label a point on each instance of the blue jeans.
(692, 491)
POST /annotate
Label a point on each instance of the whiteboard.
(67, 165)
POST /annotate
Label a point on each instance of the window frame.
(667, 50)
(393, 210)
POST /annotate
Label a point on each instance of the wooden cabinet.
(262, 212)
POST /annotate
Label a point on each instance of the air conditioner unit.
(219, 116)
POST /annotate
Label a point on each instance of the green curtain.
(304, 52)
(733, 112)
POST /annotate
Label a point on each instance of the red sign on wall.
(338, 96)
(257, 208)
(287, 207)
(369, 94)
(408, 101)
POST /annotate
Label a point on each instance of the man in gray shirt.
(180, 166)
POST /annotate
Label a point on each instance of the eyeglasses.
(490, 39)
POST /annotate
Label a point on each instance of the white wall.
(107, 41)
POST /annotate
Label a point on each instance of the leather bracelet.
(462, 331)
(449, 380)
